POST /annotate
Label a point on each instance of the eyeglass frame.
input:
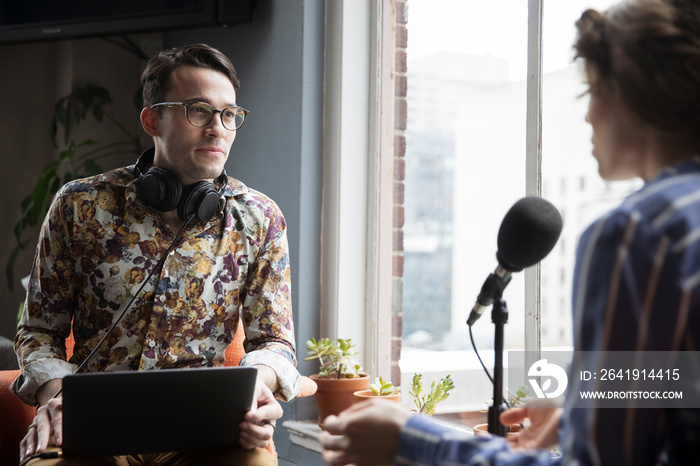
(186, 106)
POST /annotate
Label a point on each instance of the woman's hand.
(543, 431)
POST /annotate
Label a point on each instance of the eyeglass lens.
(201, 114)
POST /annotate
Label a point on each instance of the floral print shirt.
(97, 245)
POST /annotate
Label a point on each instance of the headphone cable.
(158, 266)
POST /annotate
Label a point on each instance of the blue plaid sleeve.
(424, 441)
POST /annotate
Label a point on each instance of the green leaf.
(43, 193)
(24, 220)
(334, 358)
(71, 110)
(426, 403)
(383, 387)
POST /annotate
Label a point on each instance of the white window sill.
(304, 434)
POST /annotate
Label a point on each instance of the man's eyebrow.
(202, 99)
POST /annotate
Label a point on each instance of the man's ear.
(150, 121)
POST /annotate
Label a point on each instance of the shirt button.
(152, 344)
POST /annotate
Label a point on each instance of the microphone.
(529, 231)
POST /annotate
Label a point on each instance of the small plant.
(426, 402)
(513, 400)
(335, 357)
(519, 397)
(382, 387)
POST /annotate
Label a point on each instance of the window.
(465, 159)
(471, 152)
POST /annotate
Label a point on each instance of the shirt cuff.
(288, 377)
(420, 440)
(426, 441)
(37, 373)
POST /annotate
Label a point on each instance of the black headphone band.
(159, 188)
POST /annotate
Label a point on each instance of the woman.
(637, 275)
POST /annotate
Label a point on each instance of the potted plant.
(76, 159)
(426, 402)
(513, 401)
(339, 375)
(483, 430)
(380, 387)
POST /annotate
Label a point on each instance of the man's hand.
(258, 427)
(366, 434)
(543, 431)
(48, 421)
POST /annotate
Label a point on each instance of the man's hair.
(649, 52)
(155, 77)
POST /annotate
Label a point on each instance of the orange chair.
(15, 416)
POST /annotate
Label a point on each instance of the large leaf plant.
(76, 159)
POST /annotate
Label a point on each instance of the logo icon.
(547, 372)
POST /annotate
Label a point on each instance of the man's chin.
(202, 175)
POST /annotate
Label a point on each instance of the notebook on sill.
(127, 413)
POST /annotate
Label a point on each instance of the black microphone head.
(528, 232)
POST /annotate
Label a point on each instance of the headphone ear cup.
(200, 199)
(159, 189)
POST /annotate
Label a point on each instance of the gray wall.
(279, 58)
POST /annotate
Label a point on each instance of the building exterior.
(465, 165)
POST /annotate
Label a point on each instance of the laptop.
(141, 412)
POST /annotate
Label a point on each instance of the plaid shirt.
(636, 288)
(425, 442)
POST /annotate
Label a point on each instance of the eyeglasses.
(200, 114)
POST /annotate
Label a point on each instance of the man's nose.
(215, 127)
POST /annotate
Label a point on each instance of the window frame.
(358, 174)
(533, 168)
(356, 289)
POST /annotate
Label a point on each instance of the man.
(224, 252)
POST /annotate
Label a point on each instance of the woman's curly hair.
(649, 52)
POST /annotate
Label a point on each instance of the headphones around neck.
(160, 189)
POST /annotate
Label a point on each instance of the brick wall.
(399, 173)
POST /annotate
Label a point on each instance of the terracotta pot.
(336, 395)
(364, 394)
(483, 429)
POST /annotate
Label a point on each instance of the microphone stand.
(499, 316)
